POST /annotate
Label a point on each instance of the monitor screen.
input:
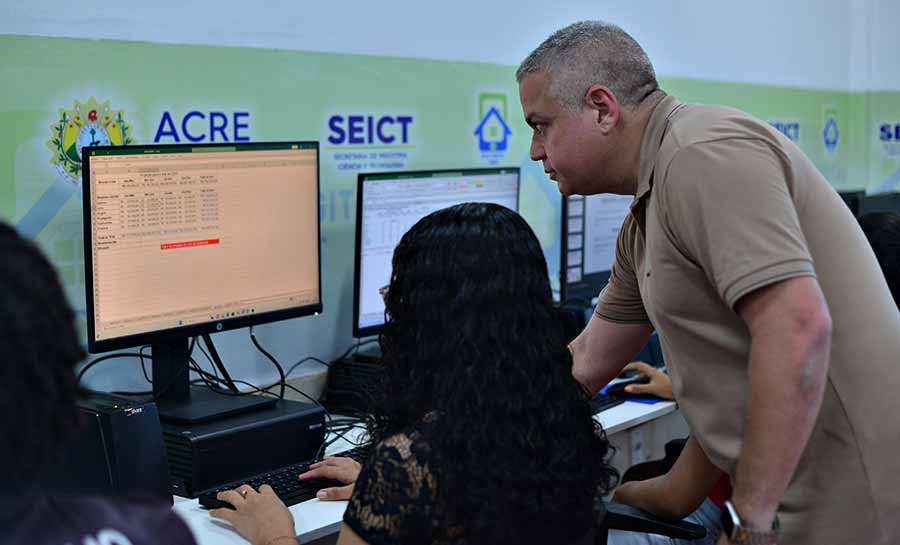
(590, 227)
(388, 204)
(182, 240)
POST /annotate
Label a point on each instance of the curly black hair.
(883, 231)
(473, 338)
(39, 348)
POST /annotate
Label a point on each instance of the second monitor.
(590, 227)
(388, 204)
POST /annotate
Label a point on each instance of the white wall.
(798, 43)
(884, 52)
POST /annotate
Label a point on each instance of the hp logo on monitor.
(219, 326)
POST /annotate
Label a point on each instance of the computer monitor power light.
(188, 240)
(388, 204)
(590, 227)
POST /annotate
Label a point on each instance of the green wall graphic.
(369, 113)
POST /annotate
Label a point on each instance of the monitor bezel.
(362, 177)
(173, 334)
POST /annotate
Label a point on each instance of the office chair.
(617, 516)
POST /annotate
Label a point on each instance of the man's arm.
(790, 331)
(679, 492)
(603, 348)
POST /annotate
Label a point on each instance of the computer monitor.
(590, 227)
(879, 202)
(851, 199)
(187, 240)
(388, 204)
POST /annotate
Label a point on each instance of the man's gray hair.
(588, 53)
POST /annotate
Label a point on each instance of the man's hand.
(260, 517)
(660, 385)
(338, 468)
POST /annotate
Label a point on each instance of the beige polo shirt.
(726, 205)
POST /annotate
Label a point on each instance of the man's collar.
(651, 142)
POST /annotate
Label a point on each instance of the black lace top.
(395, 497)
(396, 501)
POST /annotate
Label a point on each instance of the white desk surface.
(314, 519)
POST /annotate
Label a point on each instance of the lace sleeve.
(393, 499)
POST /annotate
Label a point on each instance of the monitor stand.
(206, 405)
(178, 402)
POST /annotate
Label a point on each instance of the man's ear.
(604, 106)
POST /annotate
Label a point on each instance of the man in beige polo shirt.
(777, 326)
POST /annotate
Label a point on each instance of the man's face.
(568, 143)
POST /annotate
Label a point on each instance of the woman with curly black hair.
(482, 435)
(39, 349)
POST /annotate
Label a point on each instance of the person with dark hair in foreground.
(482, 434)
(39, 349)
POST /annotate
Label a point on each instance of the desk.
(314, 519)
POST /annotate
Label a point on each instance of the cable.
(206, 378)
(304, 360)
(338, 435)
(144, 367)
(212, 365)
(274, 362)
(355, 347)
(109, 357)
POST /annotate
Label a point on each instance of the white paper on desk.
(603, 219)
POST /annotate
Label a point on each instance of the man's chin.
(564, 189)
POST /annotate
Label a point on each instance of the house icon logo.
(831, 135)
(492, 131)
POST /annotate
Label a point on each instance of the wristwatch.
(739, 534)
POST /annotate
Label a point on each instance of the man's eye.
(539, 128)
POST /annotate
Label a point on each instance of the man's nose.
(537, 150)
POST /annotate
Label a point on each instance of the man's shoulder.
(698, 123)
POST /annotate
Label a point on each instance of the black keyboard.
(601, 402)
(284, 481)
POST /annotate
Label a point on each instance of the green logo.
(87, 124)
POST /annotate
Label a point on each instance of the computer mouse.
(618, 389)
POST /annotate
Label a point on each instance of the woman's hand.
(660, 384)
(345, 470)
(261, 517)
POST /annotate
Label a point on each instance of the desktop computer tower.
(208, 455)
(117, 452)
(350, 383)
